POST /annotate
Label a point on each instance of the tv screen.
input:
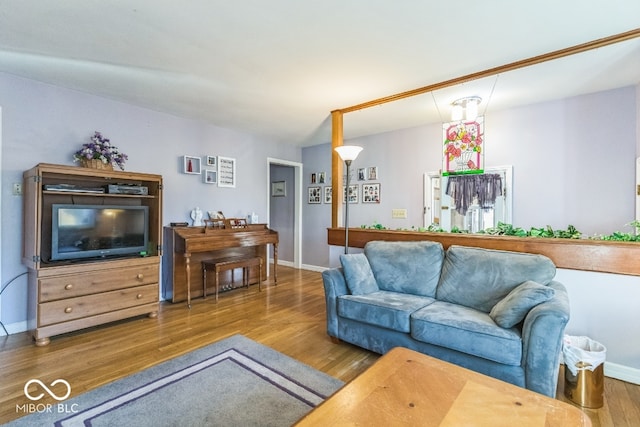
(88, 231)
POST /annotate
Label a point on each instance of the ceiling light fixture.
(468, 106)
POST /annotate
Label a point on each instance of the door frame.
(297, 214)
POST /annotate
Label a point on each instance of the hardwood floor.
(289, 317)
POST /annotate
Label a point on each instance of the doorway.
(284, 207)
(440, 209)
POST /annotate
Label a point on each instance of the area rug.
(234, 382)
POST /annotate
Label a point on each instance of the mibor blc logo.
(59, 390)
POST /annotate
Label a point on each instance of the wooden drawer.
(74, 285)
(90, 305)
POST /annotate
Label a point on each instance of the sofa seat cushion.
(389, 310)
(408, 267)
(479, 278)
(466, 330)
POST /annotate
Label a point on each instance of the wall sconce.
(468, 106)
(347, 153)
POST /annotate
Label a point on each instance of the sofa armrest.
(334, 286)
(542, 336)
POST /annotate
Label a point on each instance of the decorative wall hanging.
(226, 172)
(211, 161)
(279, 189)
(328, 194)
(321, 177)
(353, 194)
(373, 173)
(463, 151)
(192, 165)
(315, 195)
(210, 176)
(370, 193)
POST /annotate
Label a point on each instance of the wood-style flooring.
(289, 317)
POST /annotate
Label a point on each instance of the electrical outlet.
(17, 189)
(399, 213)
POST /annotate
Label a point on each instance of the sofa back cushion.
(479, 278)
(408, 267)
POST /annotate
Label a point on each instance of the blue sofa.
(495, 312)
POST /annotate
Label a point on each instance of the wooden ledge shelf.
(575, 254)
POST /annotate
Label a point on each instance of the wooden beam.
(337, 140)
(595, 44)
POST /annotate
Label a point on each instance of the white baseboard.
(303, 266)
(313, 268)
(621, 372)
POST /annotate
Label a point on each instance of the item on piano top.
(252, 218)
(216, 215)
(196, 216)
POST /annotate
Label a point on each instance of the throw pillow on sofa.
(358, 274)
(513, 308)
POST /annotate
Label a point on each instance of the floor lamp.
(347, 153)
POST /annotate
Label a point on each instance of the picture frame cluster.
(216, 170)
(365, 192)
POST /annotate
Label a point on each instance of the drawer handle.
(140, 276)
(139, 296)
(68, 310)
(69, 286)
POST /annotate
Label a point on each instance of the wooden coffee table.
(405, 387)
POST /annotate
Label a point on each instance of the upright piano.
(186, 247)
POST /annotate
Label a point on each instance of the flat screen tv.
(92, 231)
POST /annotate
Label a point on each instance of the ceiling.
(277, 68)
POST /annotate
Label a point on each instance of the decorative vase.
(96, 164)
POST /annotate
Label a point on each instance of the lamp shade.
(348, 152)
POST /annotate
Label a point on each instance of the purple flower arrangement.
(100, 149)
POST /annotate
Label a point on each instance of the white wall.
(44, 123)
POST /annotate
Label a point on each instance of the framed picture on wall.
(353, 194)
(371, 193)
(210, 176)
(328, 194)
(278, 189)
(315, 195)
(191, 165)
(211, 161)
(362, 174)
(226, 172)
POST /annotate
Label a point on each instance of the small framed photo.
(353, 194)
(226, 172)
(321, 177)
(328, 194)
(373, 173)
(210, 176)
(212, 161)
(192, 165)
(362, 174)
(315, 195)
(371, 193)
(278, 189)
(314, 178)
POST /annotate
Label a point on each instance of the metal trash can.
(584, 371)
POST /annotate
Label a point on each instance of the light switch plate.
(399, 213)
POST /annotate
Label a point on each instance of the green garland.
(503, 229)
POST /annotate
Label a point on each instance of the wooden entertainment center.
(68, 295)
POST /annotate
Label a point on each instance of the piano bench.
(230, 263)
